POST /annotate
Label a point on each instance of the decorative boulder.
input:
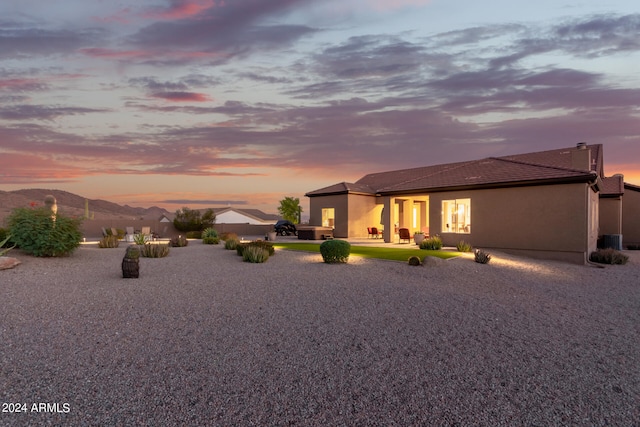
(8, 262)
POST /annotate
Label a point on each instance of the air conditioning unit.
(613, 241)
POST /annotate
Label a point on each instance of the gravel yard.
(203, 339)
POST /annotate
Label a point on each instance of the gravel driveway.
(203, 339)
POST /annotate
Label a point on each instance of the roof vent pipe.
(581, 145)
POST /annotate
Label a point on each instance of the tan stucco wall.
(631, 217)
(611, 216)
(353, 213)
(363, 213)
(340, 203)
(543, 221)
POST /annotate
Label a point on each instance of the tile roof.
(612, 186)
(543, 166)
(343, 188)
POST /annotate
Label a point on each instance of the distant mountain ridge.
(74, 205)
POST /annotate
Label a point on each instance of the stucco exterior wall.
(631, 217)
(363, 213)
(611, 215)
(340, 202)
(353, 213)
(553, 221)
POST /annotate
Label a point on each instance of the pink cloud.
(182, 96)
(180, 9)
(98, 52)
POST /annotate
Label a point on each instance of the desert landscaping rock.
(203, 339)
(8, 262)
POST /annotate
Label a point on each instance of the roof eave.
(590, 179)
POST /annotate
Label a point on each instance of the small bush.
(210, 236)
(255, 254)
(432, 243)
(194, 234)
(152, 250)
(179, 242)
(4, 241)
(139, 239)
(231, 244)
(109, 242)
(608, 256)
(335, 251)
(5, 238)
(229, 236)
(37, 233)
(414, 261)
(268, 246)
(481, 257)
(463, 246)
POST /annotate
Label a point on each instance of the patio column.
(388, 219)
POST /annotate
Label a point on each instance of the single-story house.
(230, 215)
(549, 204)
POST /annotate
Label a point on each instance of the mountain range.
(74, 205)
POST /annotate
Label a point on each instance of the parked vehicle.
(285, 228)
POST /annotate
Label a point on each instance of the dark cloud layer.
(368, 102)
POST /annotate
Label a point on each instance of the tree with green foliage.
(193, 220)
(290, 209)
(39, 233)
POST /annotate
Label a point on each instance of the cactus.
(414, 261)
(482, 257)
(86, 208)
(51, 203)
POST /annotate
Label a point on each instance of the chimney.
(581, 157)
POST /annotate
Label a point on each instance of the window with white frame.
(328, 217)
(456, 216)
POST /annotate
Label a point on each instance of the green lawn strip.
(392, 254)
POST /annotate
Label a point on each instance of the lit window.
(328, 217)
(456, 216)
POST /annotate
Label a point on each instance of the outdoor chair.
(146, 231)
(375, 232)
(404, 234)
(130, 233)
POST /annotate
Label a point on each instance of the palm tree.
(290, 209)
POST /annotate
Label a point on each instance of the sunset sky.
(206, 103)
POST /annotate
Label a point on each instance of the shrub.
(109, 242)
(37, 233)
(268, 246)
(4, 234)
(231, 244)
(414, 260)
(335, 251)
(193, 220)
(482, 257)
(432, 243)
(152, 250)
(463, 246)
(255, 254)
(4, 241)
(179, 242)
(139, 239)
(210, 236)
(194, 234)
(608, 256)
(229, 236)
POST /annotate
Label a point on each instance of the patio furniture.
(404, 234)
(376, 233)
(130, 233)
